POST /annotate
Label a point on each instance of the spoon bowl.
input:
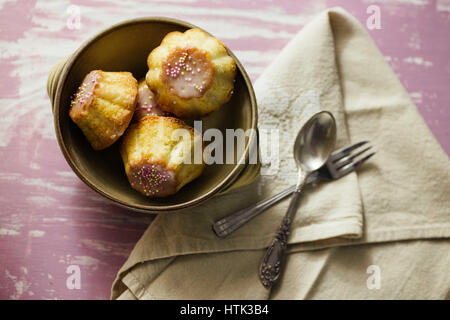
(315, 142)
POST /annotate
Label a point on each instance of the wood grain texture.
(49, 219)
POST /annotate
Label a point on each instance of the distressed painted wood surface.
(50, 220)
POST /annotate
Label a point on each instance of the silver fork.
(340, 163)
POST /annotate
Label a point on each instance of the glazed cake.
(103, 106)
(157, 162)
(191, 74)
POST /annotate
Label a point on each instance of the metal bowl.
(125, 47)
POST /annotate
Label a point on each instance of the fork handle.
(231, 223)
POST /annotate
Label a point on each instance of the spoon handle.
(273, 261)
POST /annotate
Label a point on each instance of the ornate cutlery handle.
(272, 263)
(231, 223)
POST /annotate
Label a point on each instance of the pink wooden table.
(49, 220)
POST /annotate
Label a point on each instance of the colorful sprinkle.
(151, 179)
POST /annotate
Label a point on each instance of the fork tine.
(338, 154)
(346, 160)
(352, 166)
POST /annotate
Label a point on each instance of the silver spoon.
(313, 146)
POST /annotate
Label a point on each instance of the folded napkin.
(402, 193)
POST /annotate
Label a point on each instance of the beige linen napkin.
(402, 194)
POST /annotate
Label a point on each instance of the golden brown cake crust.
(104, 105)
(217, 67)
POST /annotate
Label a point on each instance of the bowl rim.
(238, 167)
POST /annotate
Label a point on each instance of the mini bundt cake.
(191, 73)
(146, 103)
(103, 106)
(158, 159)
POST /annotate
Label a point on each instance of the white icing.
(188, 73)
